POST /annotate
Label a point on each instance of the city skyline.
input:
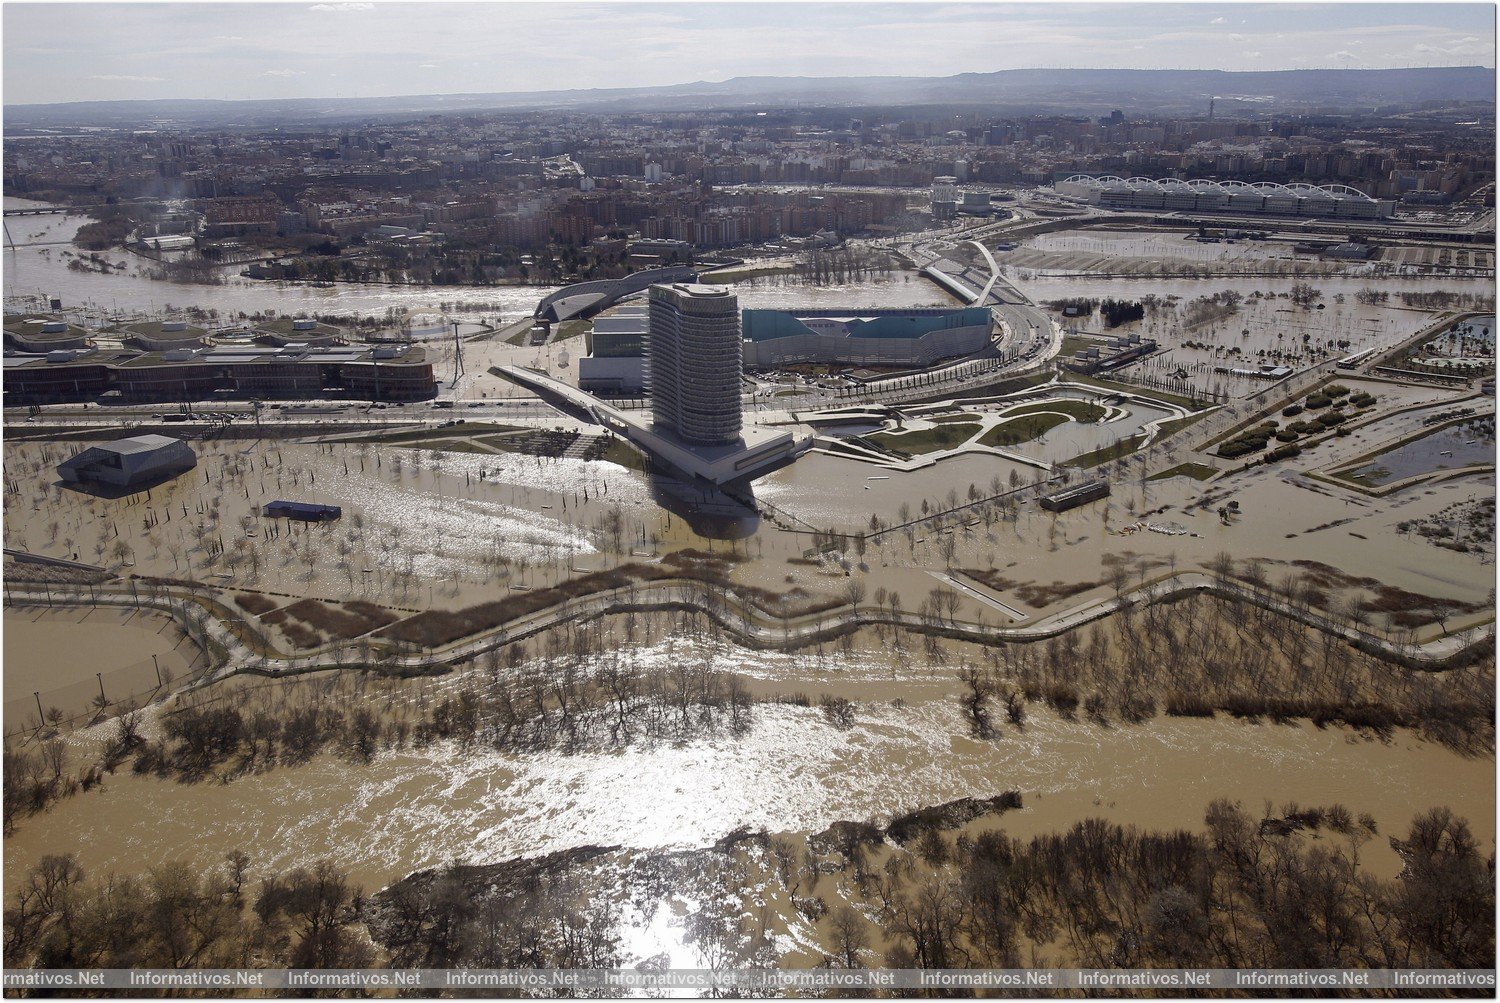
(326, 50)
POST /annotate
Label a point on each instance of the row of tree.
(1288, 889)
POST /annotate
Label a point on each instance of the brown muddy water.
(56, 653)
(792, 772)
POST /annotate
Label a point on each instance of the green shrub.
(1284, 452)
(1292, 412)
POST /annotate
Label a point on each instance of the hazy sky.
(88, 51)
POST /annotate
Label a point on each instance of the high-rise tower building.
(693, 362)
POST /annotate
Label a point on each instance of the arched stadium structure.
(1202, 195)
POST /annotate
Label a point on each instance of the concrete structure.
(583, 299)
(975, 204)
(753, 451)
(616, 360)
(1264, 197)
(861, 337)
(43, 333)
(125, 463)
(381, 372)
(693, 363)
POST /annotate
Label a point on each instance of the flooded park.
(818, 661)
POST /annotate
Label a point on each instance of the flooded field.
(1111, 250)
(423, 522)
(56, 654)
(1467, 347)
(791, 772)
(1042, 287)
(834, 491)
(1464, 445)
(447, 529)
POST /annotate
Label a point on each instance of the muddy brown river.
(791, 773)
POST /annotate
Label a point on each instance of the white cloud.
(453, 43)
(127, 78)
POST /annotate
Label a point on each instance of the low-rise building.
(162, 335)
(43, 333)
(379, 372)
(1078, 494)
(132, 462)
(287, 331)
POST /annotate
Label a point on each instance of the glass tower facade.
(693, 362)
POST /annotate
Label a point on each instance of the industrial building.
(901, 338)
(1199, 195)
(380, 372)
(1078, 494)
(128, 463)
(693, 362)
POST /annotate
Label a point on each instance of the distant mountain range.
(1003, 92)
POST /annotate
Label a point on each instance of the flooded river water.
(792, 772)
(38, 267)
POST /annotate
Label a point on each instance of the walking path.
(212, 624)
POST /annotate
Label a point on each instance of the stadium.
(1200, 195)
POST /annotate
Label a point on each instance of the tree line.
(1286, 889)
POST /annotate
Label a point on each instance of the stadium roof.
(1165, 185)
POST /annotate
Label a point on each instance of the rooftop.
(393, 354)
(42, 327)
(173, 330)
(139, 444)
